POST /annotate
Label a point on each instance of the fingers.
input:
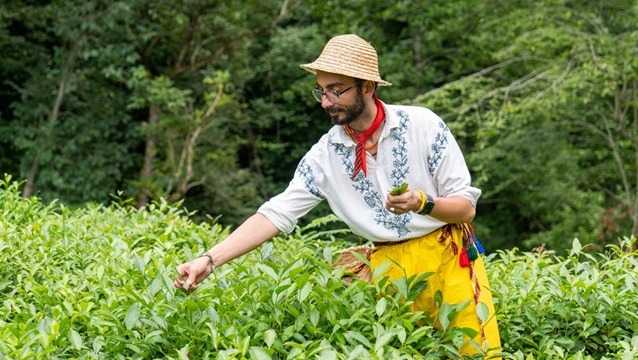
(184, 280)
(191, 282)
(190, 274)
(400, 204)
(395, 208)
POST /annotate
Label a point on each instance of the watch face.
(427, 209)
(429, 205)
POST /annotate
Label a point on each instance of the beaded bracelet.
(210, 260)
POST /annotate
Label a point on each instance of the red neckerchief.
(360, 161)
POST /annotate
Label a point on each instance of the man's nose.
(325, 103)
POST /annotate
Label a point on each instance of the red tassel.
(464, 259)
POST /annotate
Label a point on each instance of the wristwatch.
(429, 205)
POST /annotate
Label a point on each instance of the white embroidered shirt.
(415, 147)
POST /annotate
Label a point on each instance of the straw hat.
(348, 55)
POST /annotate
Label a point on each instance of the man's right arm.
(255, 231)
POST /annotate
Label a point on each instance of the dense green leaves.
(573, 305)
(96, 282)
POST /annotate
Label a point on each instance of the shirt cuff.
(470, 193)
(282, 220)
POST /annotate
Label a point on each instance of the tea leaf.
(381, 306)
(380, 270)
(268, 270)
(418, 334)
(305, 291)
(383, 340)
(399, 189)
(482, 311)
(132, 316)
(76, 340)
(327, 254)
(353, 336)
(401, 335)
(576, 247)
(269, 337)
(245, 343)
(444, 314)
(259, 353)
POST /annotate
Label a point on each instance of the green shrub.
(96, 283)
(574, 307)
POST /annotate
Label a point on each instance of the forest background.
(203, 102)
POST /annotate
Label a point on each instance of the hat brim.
(329, 68)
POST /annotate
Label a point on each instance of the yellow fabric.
(427, 254)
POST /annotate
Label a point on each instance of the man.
(373, 148)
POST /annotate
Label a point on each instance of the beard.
(350, 113)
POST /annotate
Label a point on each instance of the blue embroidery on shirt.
(340, 149)
(306, 172)
(400, 168)
(365, 187)
(440, 142)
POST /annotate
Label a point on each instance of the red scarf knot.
(360, 151)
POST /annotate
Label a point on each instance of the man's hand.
(192, 273)
(409, 200)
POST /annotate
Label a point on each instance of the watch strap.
(428, 206)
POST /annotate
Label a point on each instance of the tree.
(179, 39)
(554, 82)
(63, 91)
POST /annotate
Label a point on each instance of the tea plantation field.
(96, 283)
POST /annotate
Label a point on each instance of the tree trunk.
(185, 63)
(256, 161)
(634, 102)
(53, 116)
(184, 170)
(33, 172)
(146, 174)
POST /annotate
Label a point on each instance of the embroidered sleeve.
(301, 196)
(438, 147)
(307, 175)
(447, 166)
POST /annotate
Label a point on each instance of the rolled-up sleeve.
(451, 176)
(301, 196)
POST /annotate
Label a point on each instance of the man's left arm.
(452, 210)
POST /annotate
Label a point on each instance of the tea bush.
(576, 307)
(96, 283)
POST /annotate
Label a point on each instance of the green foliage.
(196, 145)
(541, 96)
(67, 122)
(96, 282)
(573, 307)
(541, 119)
(282, 110)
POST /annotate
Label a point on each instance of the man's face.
(350, 104)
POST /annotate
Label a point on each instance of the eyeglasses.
(331, 95)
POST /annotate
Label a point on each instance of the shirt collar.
(339, 136)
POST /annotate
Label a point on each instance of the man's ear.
(369, 88)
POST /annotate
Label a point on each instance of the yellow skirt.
(430, 254)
